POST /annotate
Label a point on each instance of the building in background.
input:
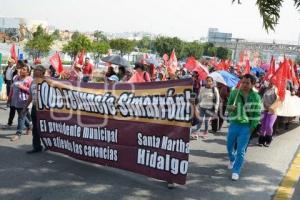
(215, 36)
(299, 39)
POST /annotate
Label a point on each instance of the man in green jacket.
(244, 111)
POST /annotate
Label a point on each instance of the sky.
(187, 19)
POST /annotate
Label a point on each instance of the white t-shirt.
(8, 74)
(209, 98)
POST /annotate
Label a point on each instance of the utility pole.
(229, 39)
(236, 46)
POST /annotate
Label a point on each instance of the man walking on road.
(38, 73)
(244, 109)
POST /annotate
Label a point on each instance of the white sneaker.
(235, 176)
(230, 165)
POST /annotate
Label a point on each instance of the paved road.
(296, 195)
(52, 176)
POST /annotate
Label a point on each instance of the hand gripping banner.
(143, 127)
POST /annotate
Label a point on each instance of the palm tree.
(270, 11)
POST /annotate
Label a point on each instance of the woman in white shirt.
(208, 105)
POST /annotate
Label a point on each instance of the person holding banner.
(244, 112)
(38, 73)
(270, 103)
(209, 100)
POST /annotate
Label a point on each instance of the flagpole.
(235, 99)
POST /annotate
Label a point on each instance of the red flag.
(13, 52)
(193, 65)
(221, 65)
(271, 70)
(227, 64)
(295, 68)
(165, 58)
(241, 57)
(292, 73)
(172, 64)
(56, 62)
(280, 79)
(213, 62)
(238, 69)
(247, 68)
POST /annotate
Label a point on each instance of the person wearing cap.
(113, 79)
(76, 73)
(18, 96)
(87, 70)
(8, 74)
(38, 73)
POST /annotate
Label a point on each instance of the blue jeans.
(240, 134)
(205, 115)
(23, 120)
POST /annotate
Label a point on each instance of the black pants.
(12, 113)
(216, 123)
(36, 139)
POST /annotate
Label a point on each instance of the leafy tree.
(270, 11)
(123, 45)
(75, 35)
(223, 53)
(146, 44)
(40, 44)
(77, 44)
(99, 48)
(194, 49)
(56, 35)
(99, 35)
(209, 49)
(167, 44)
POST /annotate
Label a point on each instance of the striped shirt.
(20, 96)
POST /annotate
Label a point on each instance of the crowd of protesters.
(213, 102)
